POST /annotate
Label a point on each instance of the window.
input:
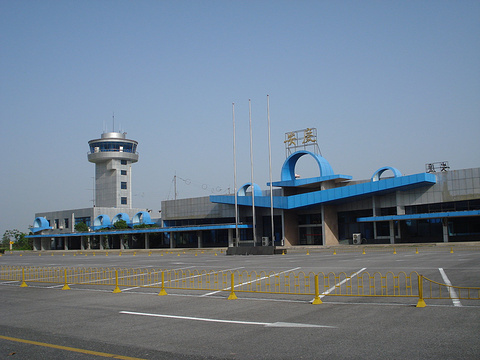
(123, 162)
(123, 172)
(123, 185)
(123, 200)
(66, 222)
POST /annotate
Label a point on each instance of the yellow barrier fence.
(317, 285)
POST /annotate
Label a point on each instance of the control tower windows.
(123, 172)
(123, 185)
(123, 200)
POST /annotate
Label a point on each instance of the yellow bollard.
(63, 254)
(196, 254)
(134, 253)
(117, 289)
(363, 253)
(232, 295)
(215, 253)
(416, 251)
(283, 252)
(421, 302)
(106, 254)
(52, 254)
(23, 284)
(451, 250)
(162, 290)
(120, 253)
(394, 251)
(308, 252)
(317, 299)
(65, 286)
(334, 252)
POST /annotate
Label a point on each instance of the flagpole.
(270, 166)
(251, 166)
(235, 177)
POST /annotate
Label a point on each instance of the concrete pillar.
(65, 243)
(101, 241)
(290, 228)
(82, 244)
(147, 241)
(172, 240)
(445, 229)
(230, 238)
(122, 247)
(329, 225)
(392, 231)
(199, 239)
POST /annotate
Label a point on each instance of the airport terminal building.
(438, 205)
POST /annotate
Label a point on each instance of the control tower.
(113, 155)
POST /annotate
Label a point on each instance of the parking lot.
(93, 322)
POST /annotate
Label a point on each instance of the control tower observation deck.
(113, 155)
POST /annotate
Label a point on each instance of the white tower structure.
(113, 155)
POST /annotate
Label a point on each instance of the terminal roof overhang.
(146, 231)
(335, 195)
(437, 215)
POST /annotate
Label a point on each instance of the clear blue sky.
(386, 83)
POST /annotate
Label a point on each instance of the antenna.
(113, 118)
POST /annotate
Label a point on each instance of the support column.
(199, 239)
(101, 242)
(82, 244)
(392, 231)
(445, 229)
(147, 241)
(172, 240)
(230, 237)
(329, 225)
(65, 243)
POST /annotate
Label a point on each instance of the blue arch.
(288, 168)
(121, 216)
(39, 224)
(243, 189)
(376, 176)
(102, 221)
(142, 217)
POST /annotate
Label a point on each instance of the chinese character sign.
(301, 139)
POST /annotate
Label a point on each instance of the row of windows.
(113, 146)
(444, 207)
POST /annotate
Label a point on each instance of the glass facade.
(101, 146)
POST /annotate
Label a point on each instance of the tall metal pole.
(270, 166)
(251, 166)
(235, 176)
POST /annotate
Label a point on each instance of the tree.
(20, 242)
(81, 227)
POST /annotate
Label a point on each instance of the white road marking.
(265, 324)
(451, 290)
(322, 295)
(189, 277)
(241, 284)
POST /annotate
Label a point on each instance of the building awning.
(146, 231)
(437, 215)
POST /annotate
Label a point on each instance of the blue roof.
(338, 194)
(151, 230)
(437, 215)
